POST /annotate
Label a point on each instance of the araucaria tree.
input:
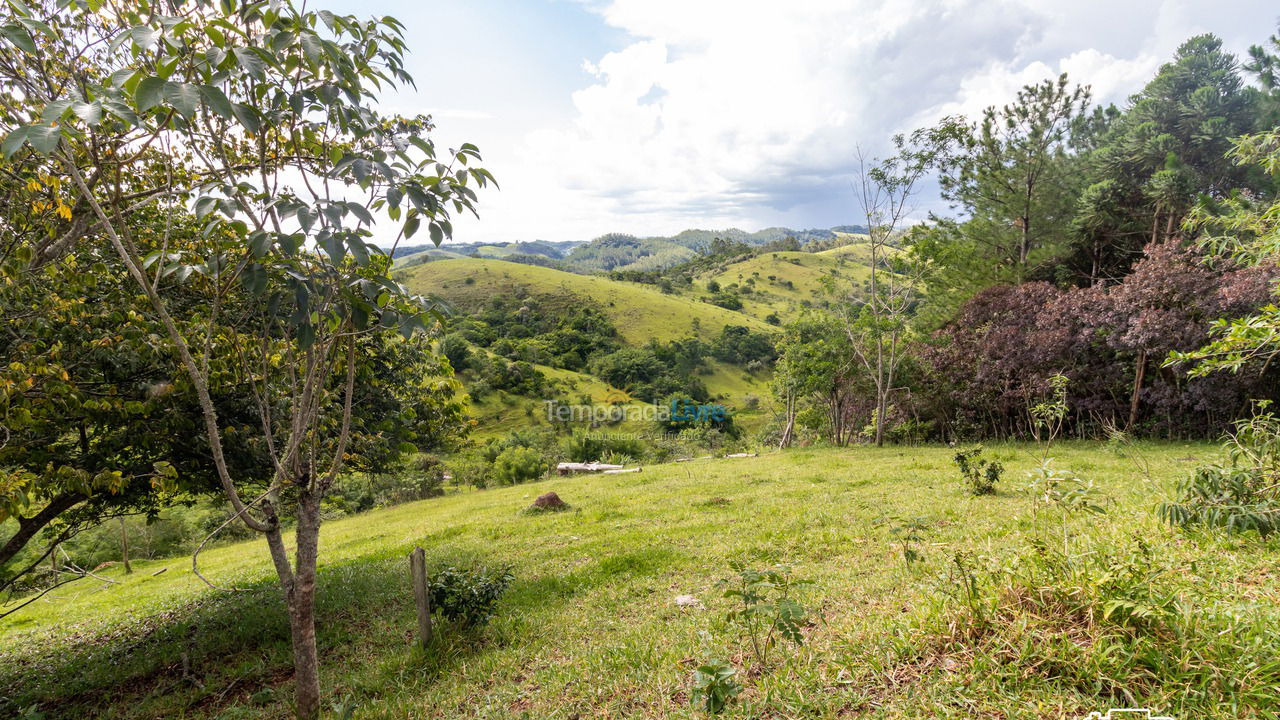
(260, 118)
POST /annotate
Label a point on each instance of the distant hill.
(640, 312)
(782, 284)
(416, 254)
(622, 252)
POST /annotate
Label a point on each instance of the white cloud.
(737, 112)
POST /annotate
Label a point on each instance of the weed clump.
(1242, 494)
(1116, 624)
(979, 474)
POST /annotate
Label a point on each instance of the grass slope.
(796, 278)
(640, 312)
(589, 628)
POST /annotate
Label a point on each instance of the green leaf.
(306, 219)
(144, 36)
(248, 117)
(260, 243)
(254, 278)
(411, 225)
(19, 37)
(184, 97)
(250, 62)
(148, 93)
(359, 251)
(361, 212)
(217, 101)
(312, 48)
(54, 110)
(90, 113)
(306, 336)
(334, 247)
(44, 138)
(35, 25)
(205, 205)
(14, 141)
(437, 235)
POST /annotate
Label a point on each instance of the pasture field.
(640, 312)
(925, 601)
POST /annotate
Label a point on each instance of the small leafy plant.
(765, 608)
(909, 532)
(468, 597)
(1048, 416)
(1062, 488)
(980, 475)
(1242, 494)
(715, 683)
(517, 465)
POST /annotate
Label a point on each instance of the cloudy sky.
(652, 116)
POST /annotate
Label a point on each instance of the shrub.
(470, 470)
(458, 351)
(1242, 494)
(586, 446)
(726, 300)
(1114, 610)
(1061, 487)
(517, 465)
(979, 474)
(468, 597)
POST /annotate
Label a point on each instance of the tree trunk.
(301, 599)
(881, 405)
(789, 428)
(1024, 247)
(124, 549)
(1139, 374)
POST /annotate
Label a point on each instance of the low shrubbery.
(980, 474)
(468, 596)
(517, 465)
(1121, 622)
(1241, 494)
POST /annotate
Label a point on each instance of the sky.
(652, 116)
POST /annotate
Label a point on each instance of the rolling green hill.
(640, 312)
(780, 283)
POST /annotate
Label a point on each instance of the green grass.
(589, 628)
(804, 271)
(640, 312)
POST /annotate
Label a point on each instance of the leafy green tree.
(93, 423)
(261, 116)
(1247, 231)
(1264, 64)
(875, 319)
(1165, 150)
(1011, 175)
(815, 363)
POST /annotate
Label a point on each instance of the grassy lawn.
(589, 628)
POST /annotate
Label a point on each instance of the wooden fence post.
(422, 598)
